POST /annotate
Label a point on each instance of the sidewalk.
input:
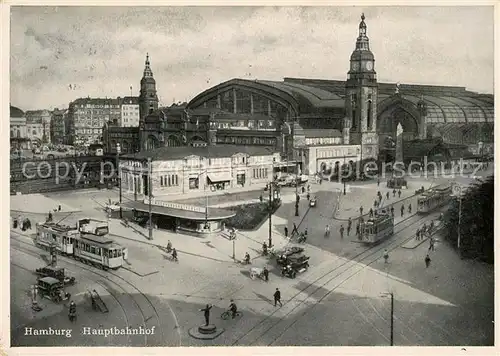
(348, 205)
(38, 204)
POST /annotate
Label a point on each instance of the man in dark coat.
(277, 297)
(206, 313)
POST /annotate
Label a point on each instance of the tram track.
(349, 265)
(106, 277)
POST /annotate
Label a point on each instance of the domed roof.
(16, 112)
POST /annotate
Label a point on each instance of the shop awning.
(219, 177)
(213, 213)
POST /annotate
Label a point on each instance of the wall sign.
(167, 204)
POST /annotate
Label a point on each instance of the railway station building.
(317, 122)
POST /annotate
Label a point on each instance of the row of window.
(111, 253)
(171, 180)
(324, 141)
(265, 141)
(337, 152)
(260, 173)
(245, 124)
(87, 131)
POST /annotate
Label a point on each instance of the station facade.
(316, 121)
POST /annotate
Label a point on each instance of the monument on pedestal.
(206, 331)
(399, 143)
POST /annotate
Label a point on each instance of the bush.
(249, 216)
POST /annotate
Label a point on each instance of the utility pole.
(118, 174)
(270, 212)
(297, 190)
(459, 192)
(150, 198)
(392, 319)
(343, 178)
(392, 316)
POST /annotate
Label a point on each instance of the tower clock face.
(369, 65)
(355, 65)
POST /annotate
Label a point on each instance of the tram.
(86, 242)
(433, 199)
(377, 228)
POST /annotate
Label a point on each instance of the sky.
(100, 51)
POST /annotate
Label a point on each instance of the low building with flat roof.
(180, 170)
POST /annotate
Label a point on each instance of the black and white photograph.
(196, 176)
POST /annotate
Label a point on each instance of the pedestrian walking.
(349, 223)
(360, 210)
(357, 230)
(402, 210)
(59, 208)
(50, 217)
(387, 196)
(375, 203)
(327, 230)
(409, 209)
(417, 235)
(431, 243)
(427, 261)
(341, 230)
(370, 212)
(399, 193)
(294, 230)
(277, 297)
(394, 193)
(378, 182)
(392, 211)
(386, 256)
(305, 233)
(266, 274)
(308, 196)
(286, 232)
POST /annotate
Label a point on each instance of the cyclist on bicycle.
(233, 308)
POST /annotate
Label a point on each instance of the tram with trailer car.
(86, 242)
(377, 228)
(433, 199)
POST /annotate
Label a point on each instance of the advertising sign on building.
(167, 204)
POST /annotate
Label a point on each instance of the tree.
(476, 221)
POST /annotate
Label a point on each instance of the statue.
(397, 88)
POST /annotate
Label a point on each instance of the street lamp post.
(150, 198)
(459, 193)
(118, 174)
(297, 189)
(392, 317)
(343, 178)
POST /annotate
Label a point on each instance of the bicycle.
(228, 314)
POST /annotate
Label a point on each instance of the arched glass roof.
(317, 97)
(450, 109)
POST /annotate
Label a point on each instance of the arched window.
(353, 111)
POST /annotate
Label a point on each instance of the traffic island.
(205, 332)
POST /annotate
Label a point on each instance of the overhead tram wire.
(419, 220)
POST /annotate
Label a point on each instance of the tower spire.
(362, 43)
(147, 69)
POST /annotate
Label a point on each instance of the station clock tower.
(361, 97)
(148, 99)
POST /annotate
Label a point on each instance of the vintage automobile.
(51, 288)
(55, 272)
(296, 264)
(285, 260)
(312, 202)
(282, 255)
